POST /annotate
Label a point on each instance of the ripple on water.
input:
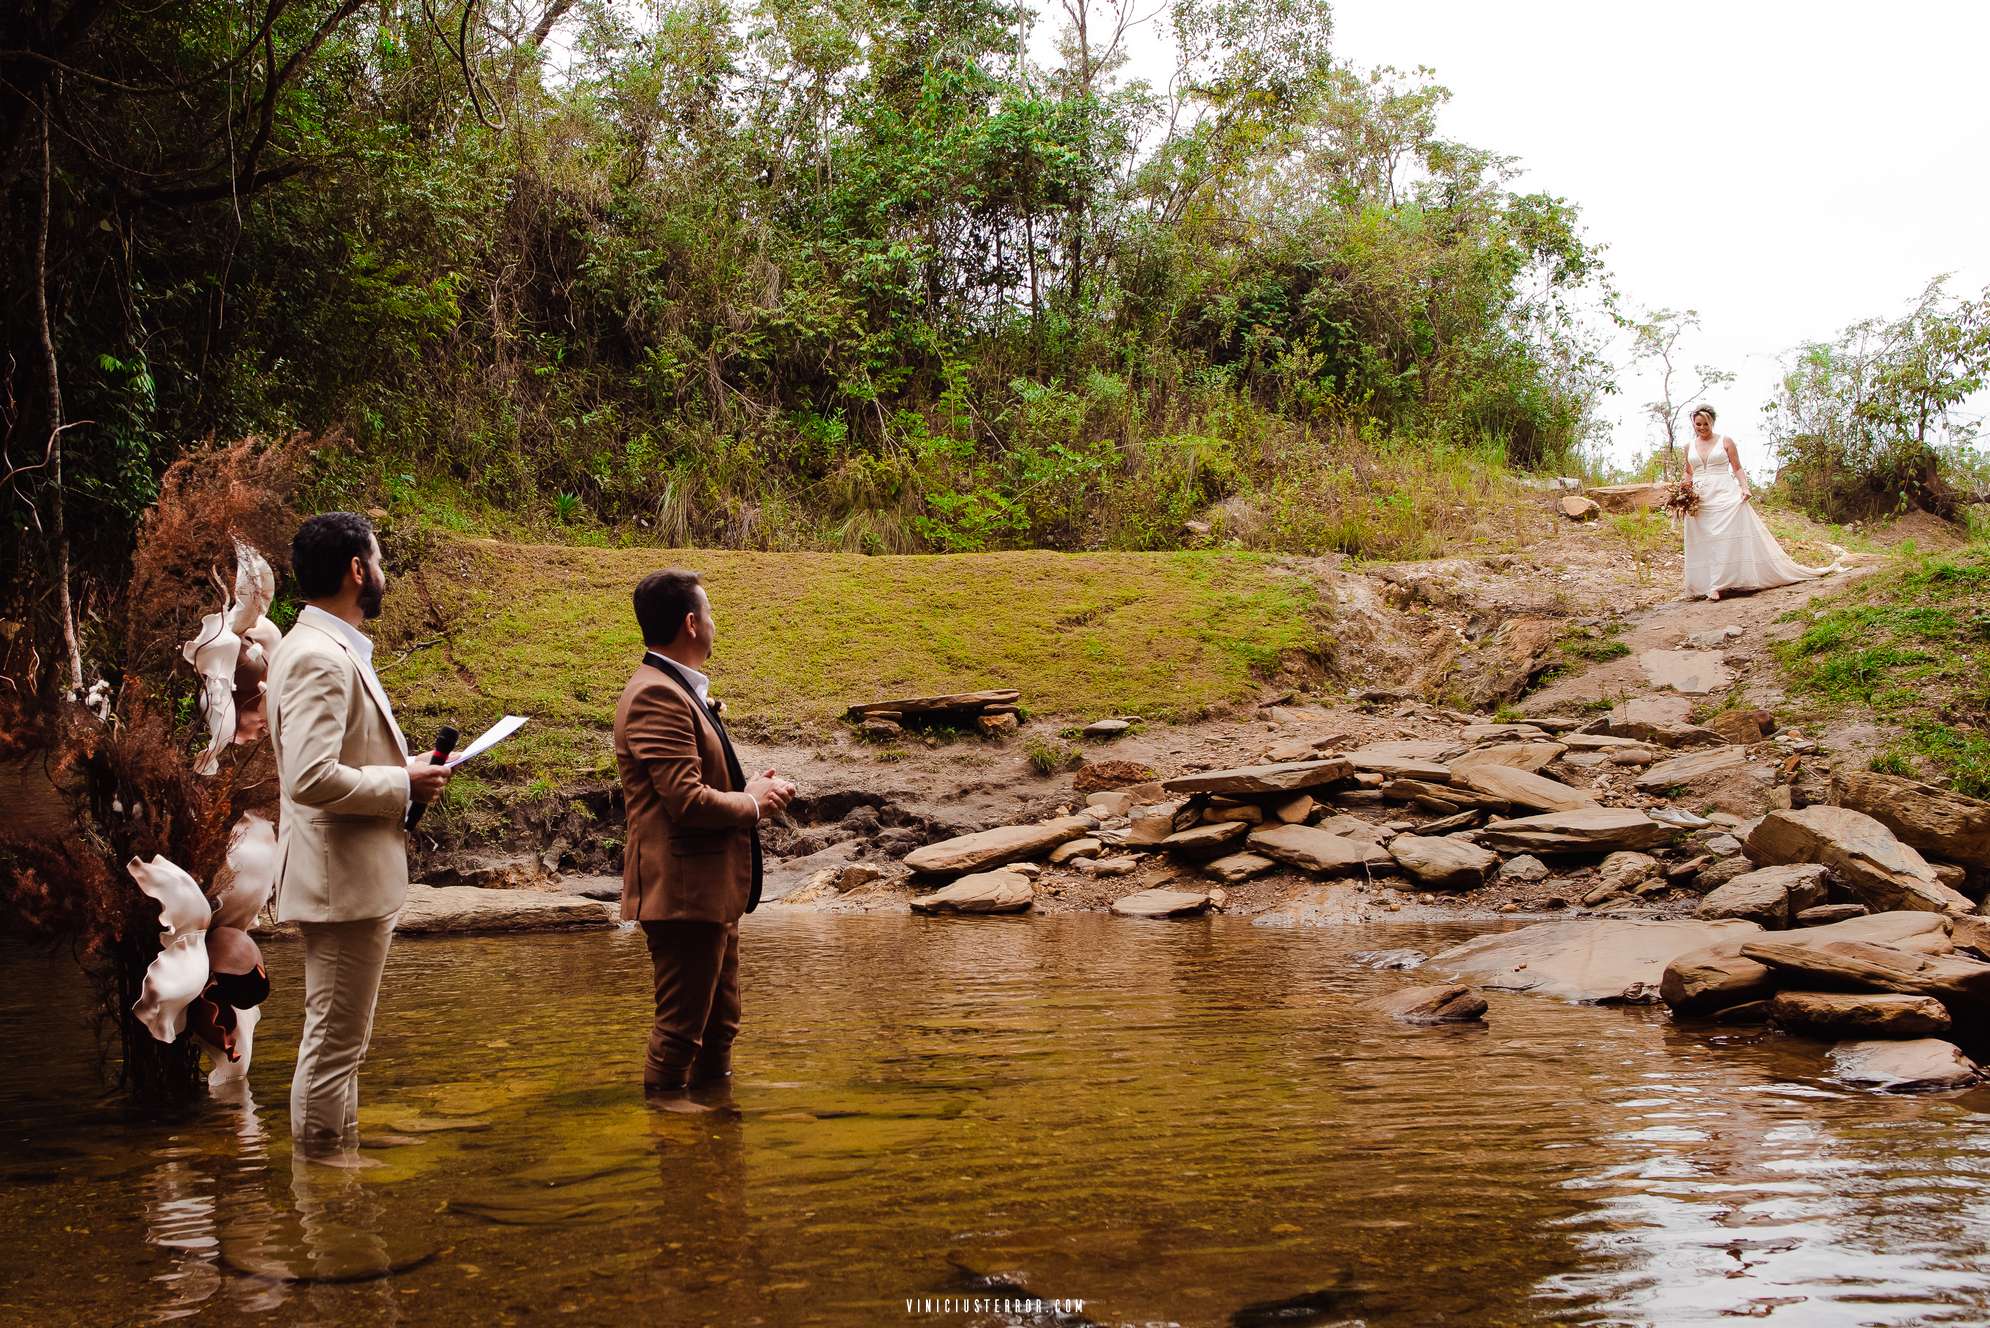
(1197, 1123)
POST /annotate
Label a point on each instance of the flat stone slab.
(1917, 1065)
(1105, 728)
(1161, 904)
(1529, 756)
(454, 910)
(1859, 1014)
(1232, 868)
(1399, 767)
(607, 888)
(1584, 960)
(994, 848)
(1688, 672)
(1477, 733)
(955, 703)
(1519, 787)
(1283, 777)
(1205, 840)
(1863, 965)
(1318, 851)
(1680, 771)
(1590, 830)
(983, 892)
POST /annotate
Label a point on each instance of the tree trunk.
(58, 524)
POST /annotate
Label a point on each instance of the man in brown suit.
(691, 864)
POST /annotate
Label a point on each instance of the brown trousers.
(697, 1000)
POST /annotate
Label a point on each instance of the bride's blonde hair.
(1707, 411)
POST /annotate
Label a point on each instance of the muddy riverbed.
(1193, 1123)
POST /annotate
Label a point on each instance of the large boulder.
(1519, 787)
(1713, 977)
(1161, 904)
(1858, 1014)
(995, 848)
(454, 910)
(1437, 863)
(1505, 664)
(1317, 851)
(1917, 1065)
(1601, 961)
(1770, 897)
(1924, 817)
(983, 892)
(1588, 830)
(1434, 1005)
(1881, 871)
(1284, 777)
(1639, 497)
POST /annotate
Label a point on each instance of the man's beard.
(371, 594)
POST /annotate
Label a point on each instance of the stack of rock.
(990, 712)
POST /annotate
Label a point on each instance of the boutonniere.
(715, 705)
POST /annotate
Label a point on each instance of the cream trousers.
(342, 964)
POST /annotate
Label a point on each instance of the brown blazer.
(689, 852)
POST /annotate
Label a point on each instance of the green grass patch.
(482, 628)
(1912, 645)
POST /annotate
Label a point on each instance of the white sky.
(1784, 168)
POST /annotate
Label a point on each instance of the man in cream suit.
(342, 852)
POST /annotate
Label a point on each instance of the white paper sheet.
(488, 739)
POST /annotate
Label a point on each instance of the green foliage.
(859, 278)
(1912, 644)
(1047, 757)
(1874, 422)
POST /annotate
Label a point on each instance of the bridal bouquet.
(1682, 498)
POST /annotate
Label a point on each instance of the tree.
(1656, 340)
(1878, 419)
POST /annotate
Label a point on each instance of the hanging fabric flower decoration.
(231, 654)
(180, 972)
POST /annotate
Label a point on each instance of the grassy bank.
(478, 628)
(1912, 646)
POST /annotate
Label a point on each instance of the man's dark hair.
(662, 601)
(323, 550)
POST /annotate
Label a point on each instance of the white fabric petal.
(171, 983)
(255, 589)
(246, 881)
(226, 1071)
(214, 654)
(183, 910)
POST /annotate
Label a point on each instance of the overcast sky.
(1784, 168)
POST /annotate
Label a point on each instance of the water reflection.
(1196, 1123)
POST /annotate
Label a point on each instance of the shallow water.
(1170, 1121)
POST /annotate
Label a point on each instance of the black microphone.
(445, 743)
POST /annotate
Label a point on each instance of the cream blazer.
(342, 854)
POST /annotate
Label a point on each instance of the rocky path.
(1694, 648)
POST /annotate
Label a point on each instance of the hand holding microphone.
(428, 776)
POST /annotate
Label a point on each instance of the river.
(1172, 1123)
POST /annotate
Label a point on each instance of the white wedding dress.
(1727, 545)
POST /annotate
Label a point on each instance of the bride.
(1727, 545)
